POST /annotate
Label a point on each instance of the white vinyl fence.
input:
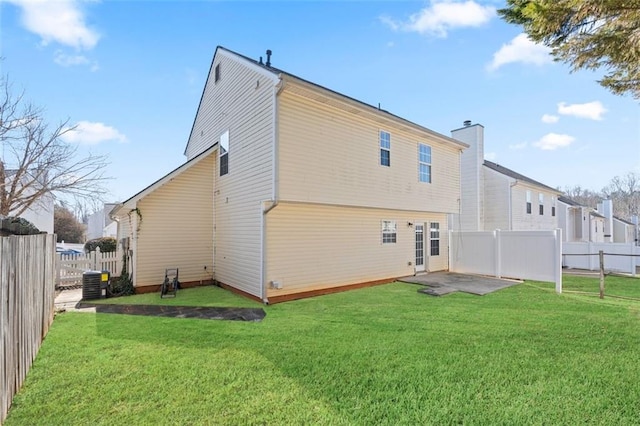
(72, 266)
(618, 257)
(527, 255)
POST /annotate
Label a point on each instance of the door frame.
(419, 245)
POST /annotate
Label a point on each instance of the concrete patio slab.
(440, 283)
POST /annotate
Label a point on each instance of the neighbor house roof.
(569, 201)
(517, 176)
(624, 221)
(283, 75)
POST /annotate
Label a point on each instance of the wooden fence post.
(601, 256)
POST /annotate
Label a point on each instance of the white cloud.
(88, 133)
(518, 146)
(442, 16)
(491, 156)
(553, 141)
(60, 21)
(591, 110)
(548, 118)
(520, 49)
(65, 60)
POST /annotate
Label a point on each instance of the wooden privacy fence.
(527, 255)
(72, 266)
(27, 274)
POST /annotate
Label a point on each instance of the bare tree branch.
(36, 162)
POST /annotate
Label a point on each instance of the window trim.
(434, 237)
(541, 203)
(384, 147)
(427, 164)
(223, 151)
(528, 195)
(389, 231)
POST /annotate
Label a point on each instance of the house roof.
(569, 201)
(517, 176)
(131, 202)
(624, 221)
(284, 75)
(596, 214)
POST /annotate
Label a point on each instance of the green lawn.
(381, 355)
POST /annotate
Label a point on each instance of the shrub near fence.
(27, 275)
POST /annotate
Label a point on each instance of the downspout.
(277, 88)
(511, 185)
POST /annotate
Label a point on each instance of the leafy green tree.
(586, 34)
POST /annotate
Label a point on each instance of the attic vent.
(466, 123)
(217, 74)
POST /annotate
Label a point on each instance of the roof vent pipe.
(261, 63)
(268, 58)
(466, 123)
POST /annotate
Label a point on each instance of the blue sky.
(130, 75)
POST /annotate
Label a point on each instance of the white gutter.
(277, 88)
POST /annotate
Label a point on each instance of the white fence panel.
(617, 257)
(529, 255)
(472, 253)
(72, 266)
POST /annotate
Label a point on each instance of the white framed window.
(223, 149)
(385, 149)
(541, 203)
(528, 202)
(389, 231)
(553, 206)
(424, 160)
(434, 234)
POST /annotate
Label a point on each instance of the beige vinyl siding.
(176, 230)
(242, 102)
(238, 99)
(496, 200)
(311, 247)
(330, 156)
(124, 225)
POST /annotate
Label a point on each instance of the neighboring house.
(624, 231)
(40, 213)
(291, 189)
(100, 224)
(495, 197)
(616, 229)
(579, 223)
